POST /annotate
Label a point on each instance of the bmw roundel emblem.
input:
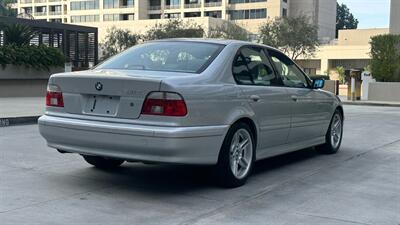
(98, 86)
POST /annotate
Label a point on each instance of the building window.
(174, 3)
(118, 17)
(127, 16)
(28, 10)
(155, 16)
(284, 12)
(55, 10)
(110, 4)
(215, 14)
(172, 15)
(85, 5)
(84, 18)
(310, 71)
(40, 11)
(244, 1)
(126, 3)
(247, 14)
(56, 20)
(193, 14)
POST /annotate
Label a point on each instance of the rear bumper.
(187, 145)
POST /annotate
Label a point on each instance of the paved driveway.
(360, 185)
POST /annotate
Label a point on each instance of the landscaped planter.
(21, 72)
(19, 81)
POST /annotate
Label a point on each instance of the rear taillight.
(54, 96)
(164, 104)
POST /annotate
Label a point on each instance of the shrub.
(174, 28)
(229, 31)
(385, 53)
(117, 40)
(38, 57)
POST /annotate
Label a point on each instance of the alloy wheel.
(241, 153)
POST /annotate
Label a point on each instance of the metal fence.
(78, 43)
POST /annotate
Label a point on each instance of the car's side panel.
(272, 114)
(290, 147)
(311, 112)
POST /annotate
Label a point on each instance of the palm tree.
(17, 34)
(5, 9)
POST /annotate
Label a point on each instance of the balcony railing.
(172, 6)
(125, 6)
(54, 0)
(40, 1)
(193, 5)
(212, 4)
(154, 7)
(25, 1)
(52, 13)
(40, 13)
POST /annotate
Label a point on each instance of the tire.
(235, 158)
(102, 162)
(334, 135)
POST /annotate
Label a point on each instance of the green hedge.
(385, 53)
(38, 57)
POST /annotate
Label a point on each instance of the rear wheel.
(237, 156)
(333, 136)
(102, 162)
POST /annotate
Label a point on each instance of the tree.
(295, 36)
(341, 71)
(117, 40)
(344, 19)
(5, 9)
(229, 31)
(17, 34)
(385, 54)
(174, 28)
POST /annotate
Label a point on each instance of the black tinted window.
(191, 57)
(252, 67)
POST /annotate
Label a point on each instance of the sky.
(370, 13)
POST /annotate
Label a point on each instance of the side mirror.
(318, 83)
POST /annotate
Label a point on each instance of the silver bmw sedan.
(191, 101)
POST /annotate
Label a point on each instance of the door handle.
(255, 98)
(294, 98)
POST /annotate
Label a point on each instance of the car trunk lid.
(105, 93)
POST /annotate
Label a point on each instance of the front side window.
(252, 67)
(189, 57)
(290, 73)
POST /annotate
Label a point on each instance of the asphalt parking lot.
(359, 185)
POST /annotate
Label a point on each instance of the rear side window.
(189, 57)
(252, 67)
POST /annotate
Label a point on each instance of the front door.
(266, 95)
(310, 108)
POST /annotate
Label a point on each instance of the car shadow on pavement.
(167, 179)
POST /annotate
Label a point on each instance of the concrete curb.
(12, 121)
(372, 104)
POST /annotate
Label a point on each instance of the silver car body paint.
(214, 102)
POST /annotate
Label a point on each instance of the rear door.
(266, 95)
(310, 108)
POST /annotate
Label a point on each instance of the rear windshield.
(189, 57)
